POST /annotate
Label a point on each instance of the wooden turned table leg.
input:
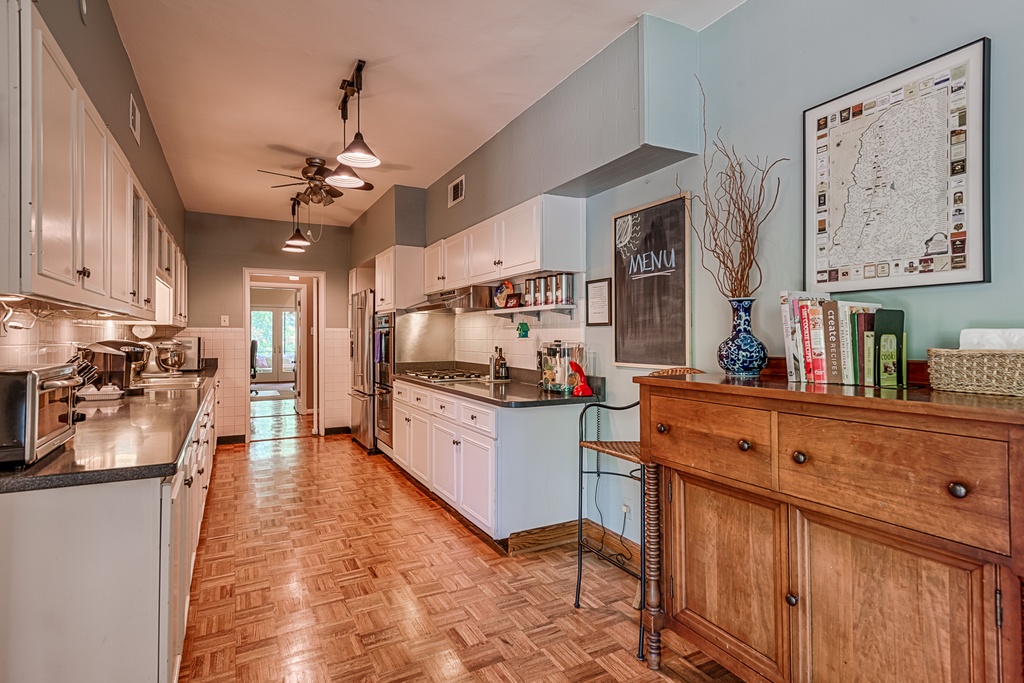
(654, 617)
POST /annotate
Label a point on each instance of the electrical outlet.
(224, 321)
(627, 507)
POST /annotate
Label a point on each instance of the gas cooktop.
(446, 375)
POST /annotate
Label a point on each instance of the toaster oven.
(37, 410)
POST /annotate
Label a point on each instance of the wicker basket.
(977, 371)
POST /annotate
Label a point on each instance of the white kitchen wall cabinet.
(445, 264)
(119, 212)
(433, 268)
(482, 261)
(398, 278)
(95, 231)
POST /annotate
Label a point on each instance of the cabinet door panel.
(477, 480)
(482, 250)
(119, 213)
(95, 243)
(444, 468)
(419, 446)
(433, 268)
(455, 267)
(730, 575)
(54, 178)
(878, 609)
(402, 428)
(519, 239)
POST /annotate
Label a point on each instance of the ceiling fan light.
(359, 154)
(304, 196)
(297, 240)
(293, 249)
(344, 176)
(328, 199)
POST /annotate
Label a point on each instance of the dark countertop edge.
(29, 481)
(453, 388)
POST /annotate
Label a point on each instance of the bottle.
(493, 355)
(500, 365)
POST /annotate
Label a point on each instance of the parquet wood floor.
(318, 563)
(277, 420)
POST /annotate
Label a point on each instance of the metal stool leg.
(579, 528)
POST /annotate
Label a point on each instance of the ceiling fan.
(314, 176)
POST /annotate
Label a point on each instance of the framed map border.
(957, 250)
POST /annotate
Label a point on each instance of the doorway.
(284, 320)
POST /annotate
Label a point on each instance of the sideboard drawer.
(949, 486)
(725, 440)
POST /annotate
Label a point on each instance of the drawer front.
(419, 398)
(443, 405)
(902, 476)
(725, 440)
(403, 393)
(476, 416)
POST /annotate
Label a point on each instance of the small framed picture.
(513, 300)
(599, 310)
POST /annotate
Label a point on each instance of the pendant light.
(296, 243)
(358, 154)
(344, 175)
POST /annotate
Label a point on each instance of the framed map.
(895, 191)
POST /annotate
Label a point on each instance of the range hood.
(476, 298)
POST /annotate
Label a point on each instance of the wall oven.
(383, 371)
(37, 409)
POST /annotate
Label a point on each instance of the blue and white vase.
(742, 354)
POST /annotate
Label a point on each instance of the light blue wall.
(762, 65)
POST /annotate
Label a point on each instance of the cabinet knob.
(83, 272)
(195, 442)
(743, 445)
(146, 300)
(134, 292)
(188, 482)
(957, 490)
(408, 420)
(442, 407)
(500, 262)
(454, 442)
(662, 428)
(799, 458)
(791, 600)
(472, 417)
(494, 262)
(167, 270)
(201, 470)
(438, 277)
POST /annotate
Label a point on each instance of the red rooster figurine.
(581, 388)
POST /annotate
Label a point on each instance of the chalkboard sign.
(652, 264)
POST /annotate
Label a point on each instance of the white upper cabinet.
(398, 278)
(95, 232)
(445, 264)
(120, 220)
(433, 268)
(482, 262)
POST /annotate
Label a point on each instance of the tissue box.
(977, 371)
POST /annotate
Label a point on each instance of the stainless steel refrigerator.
(361, 354)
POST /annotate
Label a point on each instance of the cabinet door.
(384, 279)
(874, 608)
(482, 252)
(455, 271)
(119, 214)
(444, 468)
(433, 268)
(94, 230)
(150, 253)
(402, 426)
(519, 239)
(419, 446)
(55, 118)
(728, 569)
(476, 480)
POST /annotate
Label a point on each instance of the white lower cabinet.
(503, 469)
(96, 578)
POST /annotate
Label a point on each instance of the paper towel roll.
(981, 338)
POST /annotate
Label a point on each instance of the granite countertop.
(136, 437)
(502, 394)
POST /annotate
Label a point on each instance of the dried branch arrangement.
(733, 213)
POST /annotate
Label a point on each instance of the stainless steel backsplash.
(421, 337)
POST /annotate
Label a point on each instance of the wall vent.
(456, 191)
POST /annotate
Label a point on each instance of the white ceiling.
(237, 85)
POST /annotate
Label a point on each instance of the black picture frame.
(905, 203)
(652, 284)
(599, 302)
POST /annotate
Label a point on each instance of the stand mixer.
(165, 358)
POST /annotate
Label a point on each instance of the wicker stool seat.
(624, 450)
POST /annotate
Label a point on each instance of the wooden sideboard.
(832, 533)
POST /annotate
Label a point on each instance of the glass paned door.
(276, 334)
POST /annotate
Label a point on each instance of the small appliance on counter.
(120, 362)
(557, 375)
(37, 405)
(165, 358)
(193, 350)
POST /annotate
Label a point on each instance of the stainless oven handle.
(60, 383)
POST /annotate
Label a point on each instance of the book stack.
(842, 342)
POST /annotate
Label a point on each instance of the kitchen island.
(97, 542)
(502, 455)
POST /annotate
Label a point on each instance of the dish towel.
(378, 347)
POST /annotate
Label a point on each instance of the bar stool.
(624, 450)
(628, 451)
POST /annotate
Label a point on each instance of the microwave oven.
(37, 411)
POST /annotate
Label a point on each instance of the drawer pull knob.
(957, 490)
(472, 417)
(743, 445)
(187, 482)
(662, 428)
(799, 458)
(791, 600)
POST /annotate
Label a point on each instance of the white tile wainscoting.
(476, 335)
(338, 377)
(55, 340)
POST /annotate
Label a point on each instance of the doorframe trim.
(319, 309)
